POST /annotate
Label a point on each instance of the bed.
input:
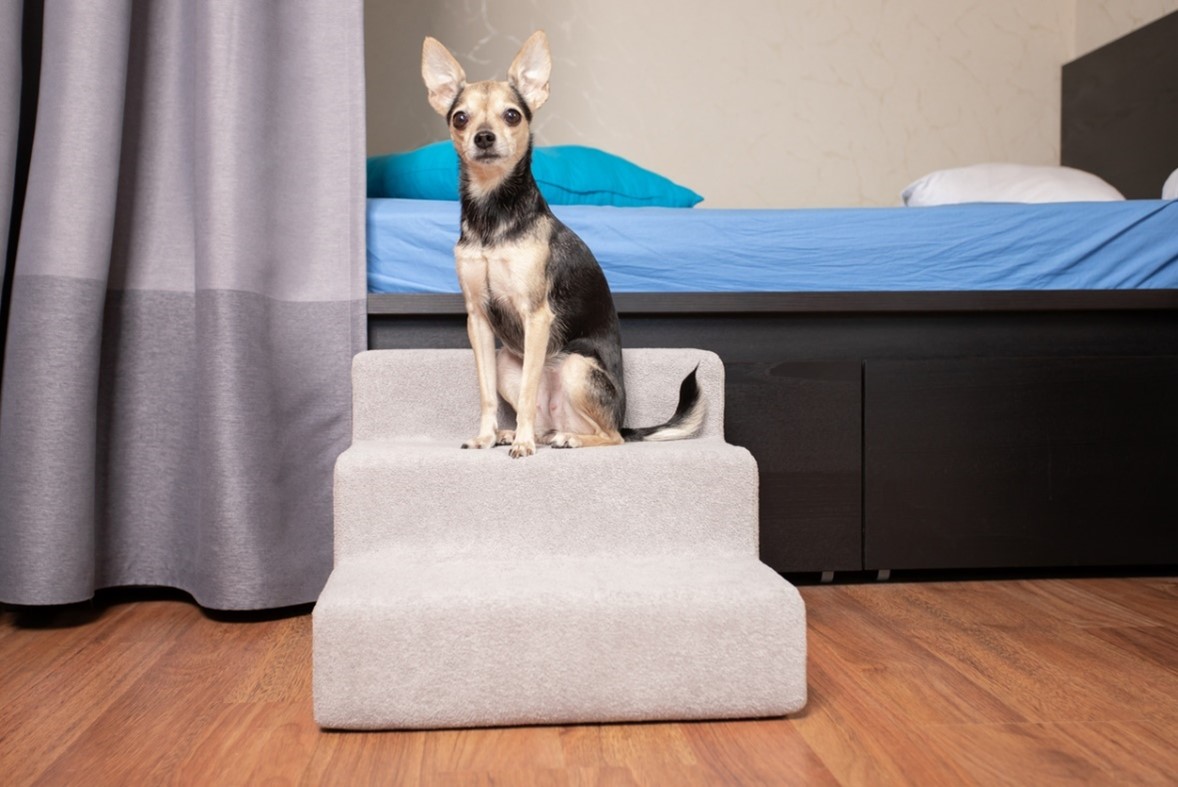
(985, 386)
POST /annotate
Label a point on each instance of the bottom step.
(404, 644)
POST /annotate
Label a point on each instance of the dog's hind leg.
(585, 414)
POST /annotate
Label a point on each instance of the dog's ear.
(530, 70)
(443, 75)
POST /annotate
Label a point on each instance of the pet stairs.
(584, 585)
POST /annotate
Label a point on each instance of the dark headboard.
(1120, 110)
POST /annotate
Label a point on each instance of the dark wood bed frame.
(1119, 112)
(933, 431)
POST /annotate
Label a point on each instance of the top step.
(434, 393)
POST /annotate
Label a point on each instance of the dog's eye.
(513, 117)
(460, 120)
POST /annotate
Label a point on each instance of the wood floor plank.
(860, 739)
(1045, 670)
(566, 777)
(638, 746)
(882, 659)
(346, 758)
(68, 701)
(755, 752)
(281, 672)
(155, 722)
(1055, 753)
(1155, 644)
(1153, 596)
(633, 753)
(1133, 752)
(1019, 682)
(72, 680)
(31, 642)
(1071, 604)
(249, 743)
(502, 749)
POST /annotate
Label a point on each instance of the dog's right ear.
(443, 75)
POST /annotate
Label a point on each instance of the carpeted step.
(429, 497)
(434, 394)
(405, 643)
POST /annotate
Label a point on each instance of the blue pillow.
(566, 175)
(430, 172)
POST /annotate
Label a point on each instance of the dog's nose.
(484, 140)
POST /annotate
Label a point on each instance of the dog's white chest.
(512, 273)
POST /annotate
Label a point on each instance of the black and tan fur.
(528, 280)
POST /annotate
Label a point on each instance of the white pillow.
(1170, 187)
(1007, 183)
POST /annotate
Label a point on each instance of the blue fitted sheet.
(1062, 246)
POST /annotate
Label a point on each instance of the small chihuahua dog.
(528, 280)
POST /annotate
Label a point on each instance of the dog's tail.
(686, 422)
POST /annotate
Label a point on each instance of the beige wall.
(1101, 21)
(765, 103)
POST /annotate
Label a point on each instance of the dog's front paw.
(521, 448)
(482, 441)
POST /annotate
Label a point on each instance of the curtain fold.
(187, 293)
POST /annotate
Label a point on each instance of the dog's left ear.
(530, 70)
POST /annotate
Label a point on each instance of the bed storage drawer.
(1021, 462)
(801, 420)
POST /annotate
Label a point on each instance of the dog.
(527, 280)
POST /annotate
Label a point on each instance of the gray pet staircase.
(584, 585)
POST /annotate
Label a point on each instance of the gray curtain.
(183, 201)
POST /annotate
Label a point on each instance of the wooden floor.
(1024, 682)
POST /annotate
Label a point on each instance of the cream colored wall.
(765, 103)
(1101, 21)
